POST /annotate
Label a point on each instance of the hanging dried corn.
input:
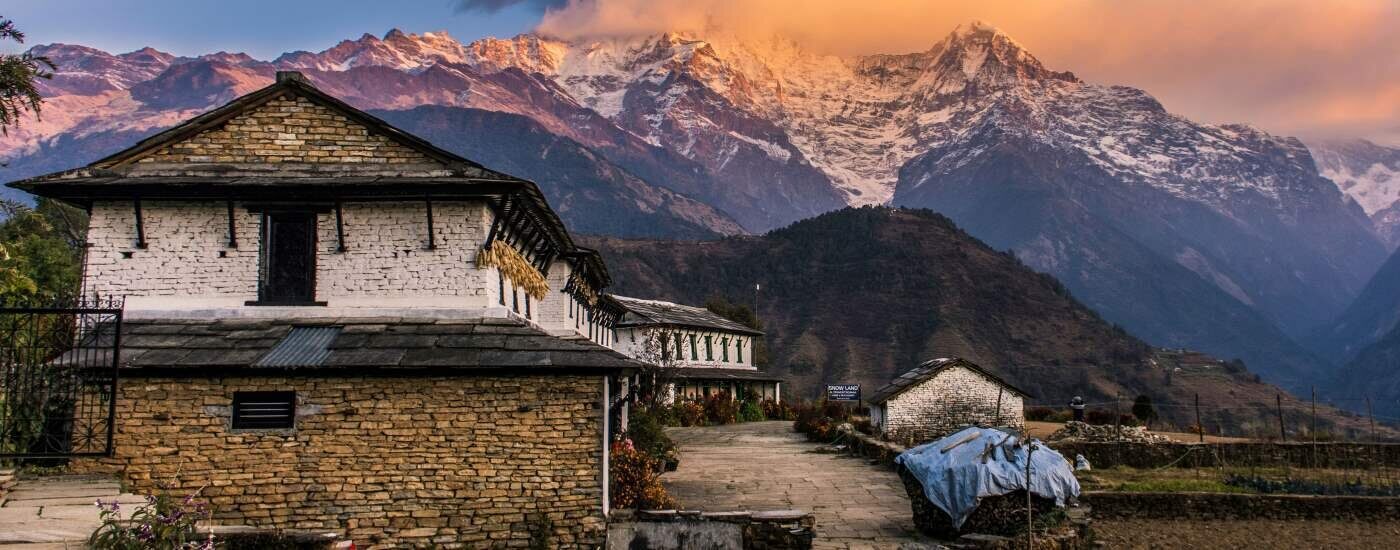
(515, 267)
(581, 289)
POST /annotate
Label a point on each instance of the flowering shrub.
(819, 420)
(636, 479)
(688, 413)
(774, 410)
(162, 523)
(720, 408)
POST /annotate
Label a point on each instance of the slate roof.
(175, 347)
(655, 312)
(928, 370)
(698, 373)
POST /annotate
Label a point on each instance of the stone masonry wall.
(188, 263)
(953, 398)
(387, 254)
(460, 462)
(187, 251)
(287, 130)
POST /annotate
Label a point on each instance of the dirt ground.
(1271, 534)
(1043, 430)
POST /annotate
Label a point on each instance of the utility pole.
(1314, 426)
(756, 286)
(1278, 402)
(1200, 429)
(1373, 417)
(1117, 415)
(1030, 506)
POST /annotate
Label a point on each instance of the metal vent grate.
(264, 410)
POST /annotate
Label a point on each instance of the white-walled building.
(941, 396)
(709, 354)
(312, 295)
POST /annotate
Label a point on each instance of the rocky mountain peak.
(979, 54)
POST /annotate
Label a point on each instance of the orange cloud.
(1290, 66)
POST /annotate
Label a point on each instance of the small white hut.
(940, 396)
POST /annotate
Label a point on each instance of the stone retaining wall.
(677, 530)
(1234, 506)
(384, 461)
(1199, 455)
(868, 446)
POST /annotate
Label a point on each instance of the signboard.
(843, 392)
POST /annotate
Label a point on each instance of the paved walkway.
(56, 512)
(767, 466)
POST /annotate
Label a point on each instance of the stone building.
(333, 324)
(941, 396)
(704, 353)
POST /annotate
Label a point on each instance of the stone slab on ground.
(767, 466)
(56, 511)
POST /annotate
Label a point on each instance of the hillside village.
(299, 319)
(310, 307)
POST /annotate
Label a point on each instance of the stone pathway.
(767, 466)
(57, 512)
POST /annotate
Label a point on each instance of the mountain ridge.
(1235, 223)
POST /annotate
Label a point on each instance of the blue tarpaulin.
(961, 469)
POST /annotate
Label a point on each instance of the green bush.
(751, 412)
(649, 436)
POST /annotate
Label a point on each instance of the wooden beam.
(498, 211)
(339, 228)
(140, 225)
(232, 227)
(432, 237)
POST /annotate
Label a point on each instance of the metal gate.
(58, 378)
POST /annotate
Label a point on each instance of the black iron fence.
(58, 377)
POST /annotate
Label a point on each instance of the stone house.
(333, 324)
(704, 353)
(941, 396)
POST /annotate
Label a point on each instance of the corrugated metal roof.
(301, 347)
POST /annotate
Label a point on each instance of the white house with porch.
(708, 353)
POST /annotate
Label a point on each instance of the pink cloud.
(1289, 66)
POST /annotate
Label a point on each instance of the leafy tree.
(18, 74)
(1143, 409)
(40, 250)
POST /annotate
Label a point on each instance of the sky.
(1295, 67)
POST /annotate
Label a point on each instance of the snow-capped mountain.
(1369, 174)
(1207, 236)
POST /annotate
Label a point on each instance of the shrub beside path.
(767, 466)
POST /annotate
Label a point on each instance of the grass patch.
(1178, 486)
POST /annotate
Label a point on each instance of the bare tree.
(656, 382)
